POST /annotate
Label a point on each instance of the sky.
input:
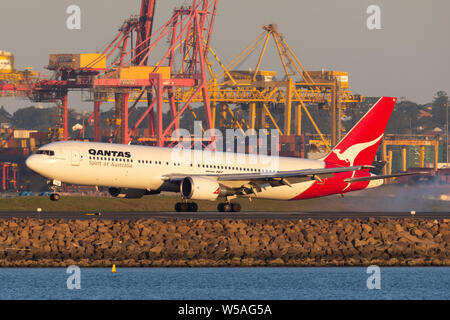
(407, 58)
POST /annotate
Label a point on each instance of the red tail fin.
(360, 144)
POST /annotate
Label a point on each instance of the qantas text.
(109, 153)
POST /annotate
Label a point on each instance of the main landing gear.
(229, 207)
(193, 207)
(186, 207)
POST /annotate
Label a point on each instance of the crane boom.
(144, 31)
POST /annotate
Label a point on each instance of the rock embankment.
(149, 242)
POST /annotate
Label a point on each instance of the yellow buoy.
(113, 268)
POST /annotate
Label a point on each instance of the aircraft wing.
(274, 178)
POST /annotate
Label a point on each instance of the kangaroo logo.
(353, 151)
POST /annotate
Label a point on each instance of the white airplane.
(132, 171)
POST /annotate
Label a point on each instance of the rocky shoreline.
(221, 243)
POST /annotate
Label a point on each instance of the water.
(226, 283)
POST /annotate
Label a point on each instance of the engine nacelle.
(198, 188)
(127, 193)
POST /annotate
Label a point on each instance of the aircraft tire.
(193, 207)
(227, 207)
(236, 207)
(186, 207)
(55, 197)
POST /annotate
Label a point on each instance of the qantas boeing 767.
(132, 171)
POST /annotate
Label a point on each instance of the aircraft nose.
(31, 162)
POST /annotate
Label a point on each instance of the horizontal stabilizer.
(349, 180)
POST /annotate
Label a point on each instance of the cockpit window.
(47, 152)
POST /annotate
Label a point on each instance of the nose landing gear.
(53, 186)
(55, 196)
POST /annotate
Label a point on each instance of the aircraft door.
(75, 157)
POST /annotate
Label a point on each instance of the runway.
(223, 215)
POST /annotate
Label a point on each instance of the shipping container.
(325, 75)
(17, 155)
(23, 134)
(39, 135)
(138, 72)
(6, 62)
(77, 61)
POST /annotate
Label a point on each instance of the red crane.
(188, 32)
(144, 31)
(142, 26)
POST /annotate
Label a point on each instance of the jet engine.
(127, 193)
(199, 188)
